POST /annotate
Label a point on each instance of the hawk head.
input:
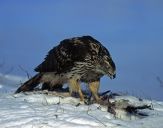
(106, 63)
(109, 67)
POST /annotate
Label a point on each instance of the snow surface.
(35, 110)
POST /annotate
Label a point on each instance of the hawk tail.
(30, 84)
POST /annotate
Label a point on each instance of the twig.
(28, 75)
(96, 118)
(104, 93)
(160, 81)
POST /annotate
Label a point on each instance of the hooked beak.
(112, 76)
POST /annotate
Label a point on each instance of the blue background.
(132, 30)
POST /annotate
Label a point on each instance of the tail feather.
(30, 84)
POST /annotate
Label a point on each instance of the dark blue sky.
(132, 30)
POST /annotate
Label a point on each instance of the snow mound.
(48, 111)
(36, 110)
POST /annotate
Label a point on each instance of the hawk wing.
(62, 57)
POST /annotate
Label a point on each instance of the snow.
(38, 110)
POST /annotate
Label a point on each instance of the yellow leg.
(74, 86)
(94, 87)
